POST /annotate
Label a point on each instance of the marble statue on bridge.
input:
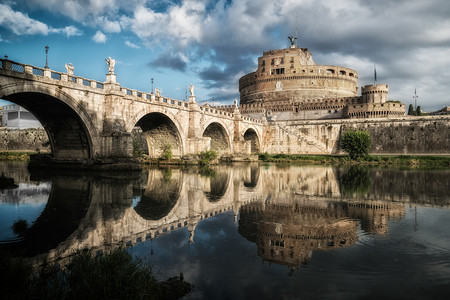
(191, 90)
(69, 68)
(111, 64)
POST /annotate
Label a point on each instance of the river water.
(248, 231)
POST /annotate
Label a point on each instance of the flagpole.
(375, 75)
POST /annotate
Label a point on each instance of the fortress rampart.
(395, 135)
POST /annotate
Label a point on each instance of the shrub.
(114, 275)
(206, 157)
(167, 154)
(356, 143)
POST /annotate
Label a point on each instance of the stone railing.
(228, 110)
(6, 64)
(150, 97)
(47, 73)
(216, 111)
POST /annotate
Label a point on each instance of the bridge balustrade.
(37, 72)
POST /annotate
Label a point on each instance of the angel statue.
(191, 89)
(292, 40)
(111, 64)
(69, 68)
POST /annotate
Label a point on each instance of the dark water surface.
(248, 231)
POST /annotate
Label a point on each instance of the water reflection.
(288, 212)
(160, 195)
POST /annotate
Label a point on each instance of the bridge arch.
(69, 127)
(220, 137)
(217, 184)
(161, 195)
(251, 135)
(161, 130)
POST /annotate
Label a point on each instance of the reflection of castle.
(288, 85)
(288, 234)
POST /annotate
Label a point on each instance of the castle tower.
(374, 93)
(291, 75)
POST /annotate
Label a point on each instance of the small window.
(292, 59)
(263, 63)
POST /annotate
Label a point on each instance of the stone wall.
(23, 140)
(405, 135)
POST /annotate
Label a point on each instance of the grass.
(111, 276)
(375, 160)
(18, 156)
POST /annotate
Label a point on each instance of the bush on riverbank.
(356, 143)
(111, 276)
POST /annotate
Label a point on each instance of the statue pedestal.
(111, 78)
(192, 99)
(111, 83)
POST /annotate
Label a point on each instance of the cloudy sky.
(212, 43)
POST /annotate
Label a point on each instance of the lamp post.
(46, 56)
(152, 85)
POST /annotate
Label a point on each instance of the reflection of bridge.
(105, 217)
(86, 119)
(288, 212)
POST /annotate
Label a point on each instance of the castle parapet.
(374, 93)
(375, 110)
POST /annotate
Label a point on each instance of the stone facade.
(32, 139)
(288, 85)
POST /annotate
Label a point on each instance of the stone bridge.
(87, 120)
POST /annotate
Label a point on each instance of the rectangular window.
(273, 61)
(292, 59)
(282, 60)
(279, 71)
(263, 63)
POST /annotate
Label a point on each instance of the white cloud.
(108, 25)
(68, 31)
(20, 23)
(131, 45)
(99, 37)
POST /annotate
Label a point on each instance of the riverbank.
(426, 161)
(423, 161)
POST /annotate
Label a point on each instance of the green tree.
(356, 143)
(411, 111)
(418, 111)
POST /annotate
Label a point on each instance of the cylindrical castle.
(291, 75)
